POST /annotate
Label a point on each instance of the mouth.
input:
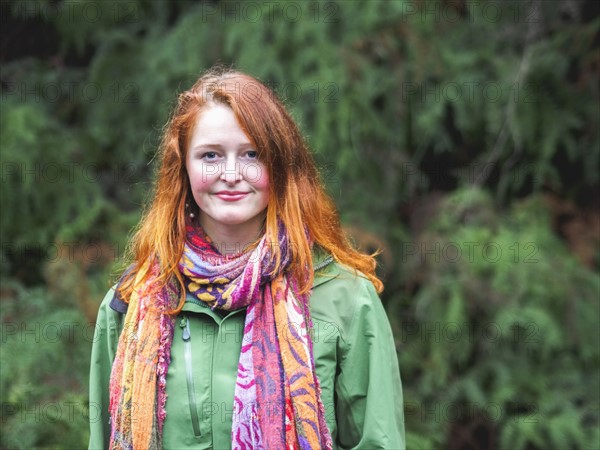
(231, 196)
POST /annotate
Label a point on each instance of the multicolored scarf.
(277, 402)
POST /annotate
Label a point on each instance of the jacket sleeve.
(106, 337)
(369, 407)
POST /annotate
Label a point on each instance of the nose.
(230, 172)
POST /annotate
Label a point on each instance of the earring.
(191, 215)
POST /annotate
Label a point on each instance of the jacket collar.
(323, 266)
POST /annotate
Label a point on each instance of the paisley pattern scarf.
(277, 402)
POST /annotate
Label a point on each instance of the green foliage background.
(460, 137)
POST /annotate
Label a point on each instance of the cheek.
(260, 177)
(200, 178)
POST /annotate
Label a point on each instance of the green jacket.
(355, 360)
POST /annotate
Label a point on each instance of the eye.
(252, 154)
(209, 156)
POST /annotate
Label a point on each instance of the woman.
(245, 320)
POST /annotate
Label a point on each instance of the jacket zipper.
(184, 324)
(323, 263)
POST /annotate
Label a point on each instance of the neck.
(232, 239)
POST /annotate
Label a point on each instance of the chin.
(233, 220)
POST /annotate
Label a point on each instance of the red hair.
(297, 197)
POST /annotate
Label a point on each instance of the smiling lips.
(231, 196)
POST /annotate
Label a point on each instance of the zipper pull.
(185, 327)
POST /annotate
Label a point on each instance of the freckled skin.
(229, 184)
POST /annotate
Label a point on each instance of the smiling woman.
(245, 319)
(229, 184)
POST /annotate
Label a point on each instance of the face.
(229, 184)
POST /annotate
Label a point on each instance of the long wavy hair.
(296, 198)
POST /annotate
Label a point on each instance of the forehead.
(215, 124)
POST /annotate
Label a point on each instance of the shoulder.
(340, 294)
(334, 282)
(109, 320)
(105, 304)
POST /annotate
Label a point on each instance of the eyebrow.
(219, 146)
